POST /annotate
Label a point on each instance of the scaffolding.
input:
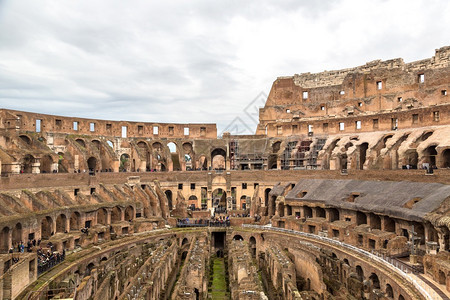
(250, 159)
(299, 154)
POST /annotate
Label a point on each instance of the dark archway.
(169, 199)
(334, 214)
(92, 164)
(445, 160)
(4, 239)
(389, 291)
(361, 218)
(184, 242)
(266, 197)
(102, 216)
(75, 221)
(360, 273)
(252, 245)
(362, 154)
(27, 163)
(61, 222)
(320, 212)
(430, 155)
(124, 163)
(116, 214)
(17, 234)
(81, 143)
(129, 213)
(375, 281)
(46, 164)
(238, 237)
(218, 159)
(46, 227)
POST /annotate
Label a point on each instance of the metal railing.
(424, 289)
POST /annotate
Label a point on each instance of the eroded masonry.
(342, 193)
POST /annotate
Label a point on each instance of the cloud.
(193, 61)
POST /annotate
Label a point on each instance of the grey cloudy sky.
(194, 61)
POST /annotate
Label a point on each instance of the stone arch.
(361, 218)
(445, 159)
(46, 227)
(25, 138)
(272, 205)
(218, 159)
(116, 214)
(202, 163)
(276, 146)
(192, 202)
(272, 162)
(110, 144)
(307, 211)
(238, 237)
(385, 139)
(425, 135)
(27, 163)
(346, 262)
(320, 212)
(389, 291)
(92, 164)
(243, 201)
(129, 213)
(102, 216)
(46, 164)
(411, 158)
(96, 144)
(184, 242)
(75, 221)
(125, 165)
(375, 281)
(400, 297)
(61, 221)
(266, 197)
(252, 245)
(219, 197)
(362, 154)
(174, 154)
(17, 234)
(81, 142)
(63, 164)
(4, 239)
(334, 214)
(429, 155)
(359, 272)
(89, 269)
(169, 195)
(389, 224)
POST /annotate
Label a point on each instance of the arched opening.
(81, 143)
(61, 222)
(362, 154)
(169, 199)
(400, 297)
(430, 155)
(442, 277)
(63, 164)
(116, 214)
(4, 240)
(192, 202)
(46, 228)
(92, 164)
(174, 155)
(360, 273)
(272, 162)
(280, 209)
(203, 163)
(266, 197)
(89, 269)
(27, 163)
(252, 245)
(244, 202)
(346, 262)
(102, 216)
(411, 159)
(25, 139)
(219, 198)
(218, 159)
(389, 224)
(389, 291)
(375, 281)
(361, 218)
(75, 221)
(320, 212)
(385, 139)
(276, 147)
(125, 165)
(425, 136)
(375, 221)
(238, 237)
(334, 214)
(420, 230)
(445, 161)
(343, 161)
(272, 205)
(129, 213)
(145, 149)
(110, 144)
(307, 211)
(184, 242)
(17, 234)
(96, 144)
(46, 164)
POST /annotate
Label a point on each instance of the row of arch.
(63, 223)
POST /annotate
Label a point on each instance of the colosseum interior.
(342, 193)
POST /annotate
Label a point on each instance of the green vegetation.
(218, 284)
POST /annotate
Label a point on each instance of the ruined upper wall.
(28, 121)
(369, 92)
(336, 77)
